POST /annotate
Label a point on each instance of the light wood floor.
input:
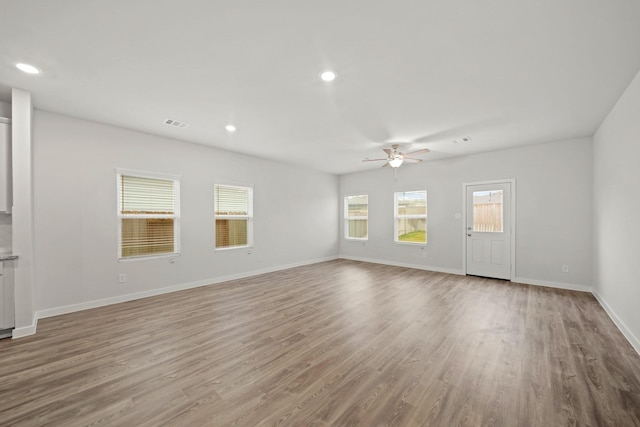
(332, 344)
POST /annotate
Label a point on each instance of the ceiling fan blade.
(387, 150)
(386, 165)
(423, 151)
(411, 160)
(373, 160)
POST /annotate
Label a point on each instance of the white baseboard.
(558, 285)
(56, 311)
(25, 331)
(404, 264)
(633, 340)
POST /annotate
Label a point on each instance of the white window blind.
(233, 210)
(356, 217)
(148, 209)
(411, 216)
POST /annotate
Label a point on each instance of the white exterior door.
(488, 230)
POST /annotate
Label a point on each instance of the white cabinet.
(6, 190)
(7, 305)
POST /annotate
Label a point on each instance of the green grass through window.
(419, 236)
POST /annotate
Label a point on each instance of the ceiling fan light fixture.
(396, 162)
(396, 158)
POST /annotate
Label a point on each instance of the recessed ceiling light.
(30, 69)
(328, 76)
(230, 128)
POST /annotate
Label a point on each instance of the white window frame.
(248, 217)
(175, 216)
(396, 217)
(347, 218)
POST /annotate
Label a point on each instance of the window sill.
(145, 257)
(411, 243)
(230, 248)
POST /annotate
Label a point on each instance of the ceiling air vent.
(176, 123)
(464, 139)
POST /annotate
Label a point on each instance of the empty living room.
(319, 213)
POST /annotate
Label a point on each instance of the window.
(233, 216)
(411, 217)
(149, 214)
(356, 217)
(487, 211)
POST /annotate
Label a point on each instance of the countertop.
(7, 256)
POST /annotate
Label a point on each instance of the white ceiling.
(504, 73)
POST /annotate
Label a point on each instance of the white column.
(23, 239)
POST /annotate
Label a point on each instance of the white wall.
(6, 229)
(5, 109)
(553, 210)
(76, 224)
(617, 212)
(5, 220)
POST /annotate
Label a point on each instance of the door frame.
(512, 208)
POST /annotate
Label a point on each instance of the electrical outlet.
(565, 268)
(122, 278)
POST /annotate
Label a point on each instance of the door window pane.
(487, 211)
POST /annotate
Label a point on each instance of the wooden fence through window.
(487, 217)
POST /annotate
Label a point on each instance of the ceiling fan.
(395, 158)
